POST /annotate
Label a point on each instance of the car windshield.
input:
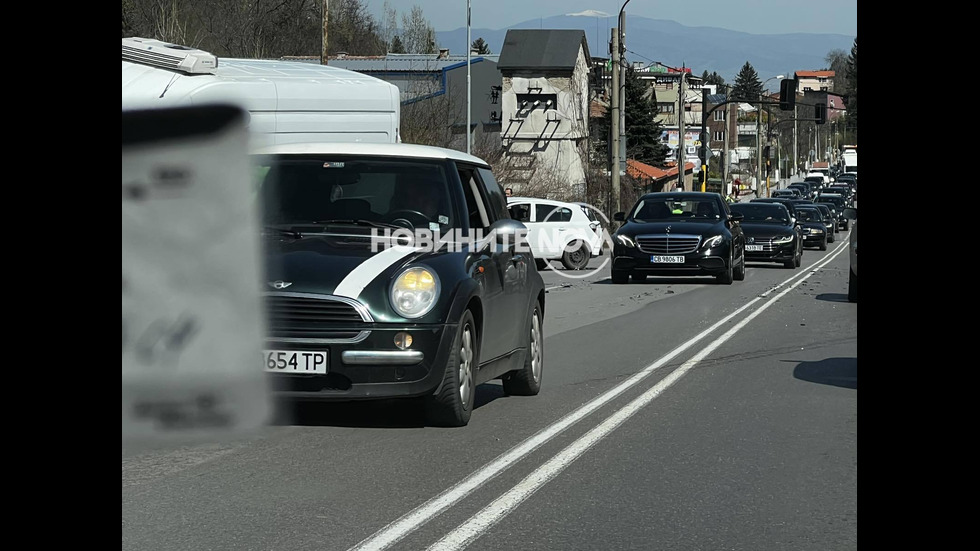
(354, 190)
(762, 213)
(674, 208)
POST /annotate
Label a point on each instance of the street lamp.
(758, 139)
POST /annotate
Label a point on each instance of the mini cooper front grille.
(321, 317)
(668, 244)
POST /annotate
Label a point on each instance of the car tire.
(729, 276)
(831, 238)
(852, 287)
(576, 255)
(541, 264)
(527, 380)
(739, 272)
(453, 404)
(638, 278)
(620, 276)
(823, 244)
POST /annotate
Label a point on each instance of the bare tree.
(418, 35)
(837, 62)
(389, 25)
(352, 29)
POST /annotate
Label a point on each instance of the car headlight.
(713, 241)
(781, 240)
(414, 292)
(816, 230)
(625, 241)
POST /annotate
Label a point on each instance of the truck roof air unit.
(147, 51)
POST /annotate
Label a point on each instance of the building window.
(665, 107)
(544, 102)
(720, 114)
(718, 136)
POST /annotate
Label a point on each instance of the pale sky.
(751, 16)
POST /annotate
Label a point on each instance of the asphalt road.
(675, 414)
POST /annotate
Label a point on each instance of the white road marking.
(502, 506)
(415, 519)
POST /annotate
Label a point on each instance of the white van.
(287, 101)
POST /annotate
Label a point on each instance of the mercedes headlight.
(414, 292)
(625, 241)
(713, 241)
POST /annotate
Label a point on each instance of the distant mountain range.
(702, 49)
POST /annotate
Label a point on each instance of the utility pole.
(323, 33)
(704, 149)
(796, 153)
(724, 161)
(758, 149)
(681, 161)
(469, 110)
(769, 145)
(614, 116)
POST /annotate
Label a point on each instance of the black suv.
(679, 233)
(360, 306)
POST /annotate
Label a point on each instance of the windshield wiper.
(359, 222)
(283, 231)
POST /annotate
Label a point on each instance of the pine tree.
(481, 47)
(747, 86)
(643, 132)
(852, 85)
(396, 45)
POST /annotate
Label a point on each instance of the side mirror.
(509, 232)
(619, 217)
(851, 213)
(737, 217)
(792, 221)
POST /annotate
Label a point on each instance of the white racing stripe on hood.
(361, 276)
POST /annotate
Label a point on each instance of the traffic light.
(820, 113)
(703, 153)
(787, 94)
(765, 152)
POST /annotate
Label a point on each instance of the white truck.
(849, 154)
(287, 101)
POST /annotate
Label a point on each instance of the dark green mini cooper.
(395, 270)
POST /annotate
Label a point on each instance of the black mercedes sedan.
(770, 235)
(679, 233)
(395, 271)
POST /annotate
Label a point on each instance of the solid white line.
(502, 506)
(413, 520)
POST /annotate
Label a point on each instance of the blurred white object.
(191, 311)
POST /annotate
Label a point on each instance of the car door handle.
(561, 229)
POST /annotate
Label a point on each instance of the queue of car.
(360, 307)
